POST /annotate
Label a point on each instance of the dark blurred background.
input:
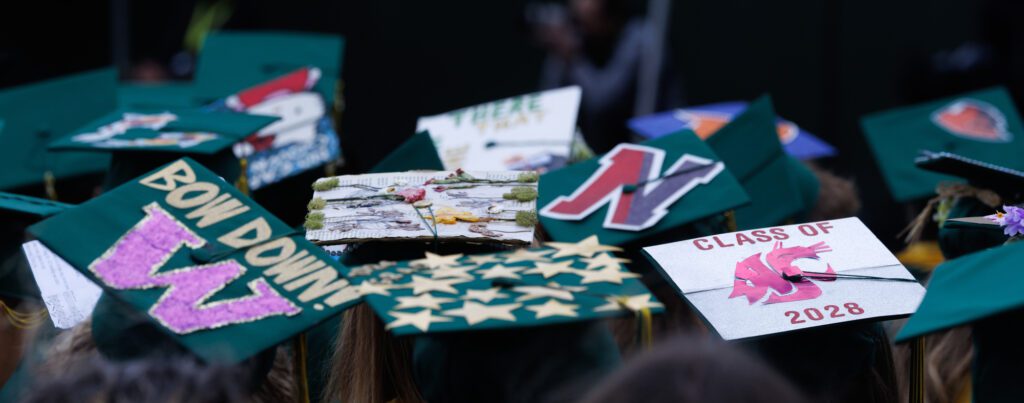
(826, 63)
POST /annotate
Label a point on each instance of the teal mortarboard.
(18, 212)
(637, 191)
(416, 153)
(979, 289)
(750, 148)
(39, 113)
(553, 284)
(204, 264)
(141, 140)
(175, 94)
(982, 125)
(234, 60)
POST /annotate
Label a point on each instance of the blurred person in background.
(600, 45)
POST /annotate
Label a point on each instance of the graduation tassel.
(243, 180)
(917, 370)
(301, 358)
(50, 182)
(730, 220)
(23, 320)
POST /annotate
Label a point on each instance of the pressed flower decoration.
(1011, 219)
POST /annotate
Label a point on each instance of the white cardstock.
(355, 210)
(69, 295)
(527, 132)
(708, 271)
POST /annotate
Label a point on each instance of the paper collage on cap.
(558, 283)
(303, 138)
(705, 120)
(468, 205)
(527, 132)
(737, 281)
(208, 266)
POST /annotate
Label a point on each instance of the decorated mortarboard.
(968, 289)
(705, 120)
(527, 132)
(478, 206)
(207, 266)
(302, 139)
(1007, 182)
(780, 279)
(39, 113)
(982, 125)
(637, 190)
(17, 212)
(136, 95)
(557, 283)
(416, 153)
(231, 61)
(750, 149)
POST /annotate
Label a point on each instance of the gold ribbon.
(50, 182)
(947, 191)
(243, 180)
(23, 320)
(730, 220)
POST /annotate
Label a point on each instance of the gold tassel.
(243, 180)
(646, 331)
(50, 182)
(23, 320)
(730, 220)
(302, 350)
(917, 386)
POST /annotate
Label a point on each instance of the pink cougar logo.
(754, 279)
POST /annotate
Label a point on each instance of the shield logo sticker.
(973, 119)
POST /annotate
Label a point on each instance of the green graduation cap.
(206, 265)
(141, 139)
(557, 283)
(416, 153)
(16, 213)
(39, 113)
(750, 148)
(979, 289)
(982, 125)
(175, 94)
(232, 61)
(637, 191)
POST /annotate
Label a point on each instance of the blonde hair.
(369, 365)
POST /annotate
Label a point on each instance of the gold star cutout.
(533, 292)
(549, 270)
(368, 288)
(485, 296)
(500, 271)
(435, 261)
(634, 303)
(553, 308)
(526, 255)
(452, 272)
(420, 320)
(609, 274)
(475, 312)
(585, 248)
(483, 259)
(422, 284)
(421, 301)
(604, 260)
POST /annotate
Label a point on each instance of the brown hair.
(837, 197)
(370, 365)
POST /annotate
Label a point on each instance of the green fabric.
(995, 370)
(39, 113)
(749, 146)
(226, 128)
(84, 235)
(232, 61)
(521, 288)
(809, 187)
(16, 213)
(175, 94)
(968, 289)
(416, 153)
(959, 238)
(33, 206)
(531, 363)
(721, 194)
(897, 136)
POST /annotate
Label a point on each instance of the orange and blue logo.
(973, 119)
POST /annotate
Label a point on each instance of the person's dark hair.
(168, 379)
(691, 368)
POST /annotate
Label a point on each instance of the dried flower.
(325, 184)
(316, 204)
(1012, 220)
(314, 220)
(412, 195)
(528, 177)
(495, 209)
(521, 193)
(526, 218)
